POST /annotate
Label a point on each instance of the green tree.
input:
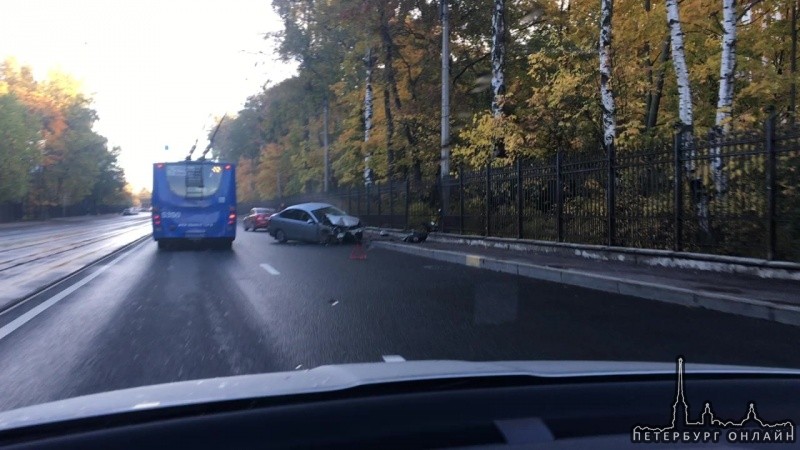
(50, 148)
(19, 152)
(108, 189)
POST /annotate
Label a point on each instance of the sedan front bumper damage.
(351, 234)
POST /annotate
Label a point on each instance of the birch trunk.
(679, 62)
(725, 96)
(727, 65)
(368, 100)
(607, 105)
(326, 151)
(498, 62)
(606, 93)
(368, 96)
(498, 57)
(685, 114)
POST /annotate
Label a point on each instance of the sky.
(160, 72)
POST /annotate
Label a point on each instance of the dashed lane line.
(270, 269)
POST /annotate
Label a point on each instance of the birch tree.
(727, 65)
(498, 61)
(498, 57)
(606, 93)
(722, 122)
(368, 99)
(679, 63)
(685, 113)
(368, 96)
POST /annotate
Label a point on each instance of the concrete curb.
(652, 291)
(782, 270)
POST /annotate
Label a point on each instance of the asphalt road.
(36, 254)
(151, 316)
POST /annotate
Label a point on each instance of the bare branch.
(748, 8)
(469, 66)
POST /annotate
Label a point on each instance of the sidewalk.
(770, 299)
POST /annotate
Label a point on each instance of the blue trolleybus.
(194, 201)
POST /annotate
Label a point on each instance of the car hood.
(343, 221)
(334, 378)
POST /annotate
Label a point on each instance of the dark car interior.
(487, 412)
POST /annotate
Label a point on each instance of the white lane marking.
(270, 269)
(42, 307)
(146, 405)
(393, 358)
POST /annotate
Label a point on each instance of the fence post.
(444, 197)
(771, 185)
(488, 209)
(611, 183)
(408, 200)
(677, 144)
(519, 199)
(559, 197)
(380, 197)
(461, 198)
(368, 197)
(358, 199)
(391, 205)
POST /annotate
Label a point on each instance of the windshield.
(198, 189)
(321, 213)
(192, 180)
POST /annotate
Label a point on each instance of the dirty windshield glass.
(574, 181)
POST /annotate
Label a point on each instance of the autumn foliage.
(51, 157)
(552, 100)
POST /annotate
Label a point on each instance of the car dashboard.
(480, 413)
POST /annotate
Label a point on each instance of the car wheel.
(325, 238)
(280, 236)
(162, 245)
(333, 238)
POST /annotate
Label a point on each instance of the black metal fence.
(735, 195)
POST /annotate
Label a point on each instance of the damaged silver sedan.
(315, 222)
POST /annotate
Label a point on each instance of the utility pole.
(444, 165)
(445, 156)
